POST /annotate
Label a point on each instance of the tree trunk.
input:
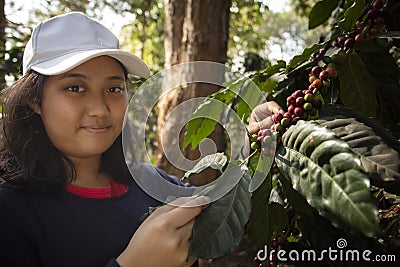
(3, 25)
(195, 30)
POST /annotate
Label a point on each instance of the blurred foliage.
(144, 32)
(254, 30)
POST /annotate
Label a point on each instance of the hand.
(163, 239)
(261, 117)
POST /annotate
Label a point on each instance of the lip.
(96, 129)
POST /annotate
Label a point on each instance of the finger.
(181, 201)
(187, 212)
(185, 231)
(190, 262)
(192, 201)
(275, 108)
(260, 112)
(257, 126)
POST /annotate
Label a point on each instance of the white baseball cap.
(61, 43)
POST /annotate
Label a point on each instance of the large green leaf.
(298, 202)
(321, 12)
(357, 88)
(265, 217)
(270, 71)
(351, 15)
(220, 227)
(202, 122)
(261, 164)
(260, 236)
(385, 71)
(330, 110)
(327, 173)
(380, 160)
(249, 96)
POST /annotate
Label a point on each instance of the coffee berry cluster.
(370, 23)
(305, 104)
(301, 105)
(289, 232)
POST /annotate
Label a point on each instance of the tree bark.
(3, 25)
(195, 30)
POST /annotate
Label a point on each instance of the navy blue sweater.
(68, 230)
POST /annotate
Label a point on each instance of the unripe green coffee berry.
(254, 137)
(285, 122)
(267, 139)
(254, 145)
(326, 59)
(307, 106)
(279, 127)
(309, 97)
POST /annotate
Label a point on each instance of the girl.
(66, 195)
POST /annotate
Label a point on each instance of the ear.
(36, 107)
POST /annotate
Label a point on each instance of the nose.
(98, 106)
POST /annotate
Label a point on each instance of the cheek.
(118, 111)
(60, 118)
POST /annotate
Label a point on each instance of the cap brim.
(133, 64)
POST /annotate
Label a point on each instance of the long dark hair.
(28, 159)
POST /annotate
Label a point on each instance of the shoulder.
(171, 178)
(8, 197)
(157, 183)
(13, 208)
(14, 202)
(148, 171)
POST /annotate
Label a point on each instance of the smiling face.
(83, 109)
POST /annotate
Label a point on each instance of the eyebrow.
(115, 77)
(83, 76)
(73, 75)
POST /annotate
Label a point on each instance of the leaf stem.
(247, 158)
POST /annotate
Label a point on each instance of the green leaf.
(319, 232)
(379, 160)
(321, 12)
(202, 122)
(351, 15)
(357, 88)
(215, 161)
(220, 227)
(271, 216)
(385, 71)
(298, 202)
(225, 95)
(327, 173)
(264, 79)
(262, 167)
(249, 97)
(330, 110)
(304, 56)
(268, 85)
(273, 69)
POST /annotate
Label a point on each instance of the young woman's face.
(83, 109)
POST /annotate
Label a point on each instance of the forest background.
(277, 49)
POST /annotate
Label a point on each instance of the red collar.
(113, 190)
